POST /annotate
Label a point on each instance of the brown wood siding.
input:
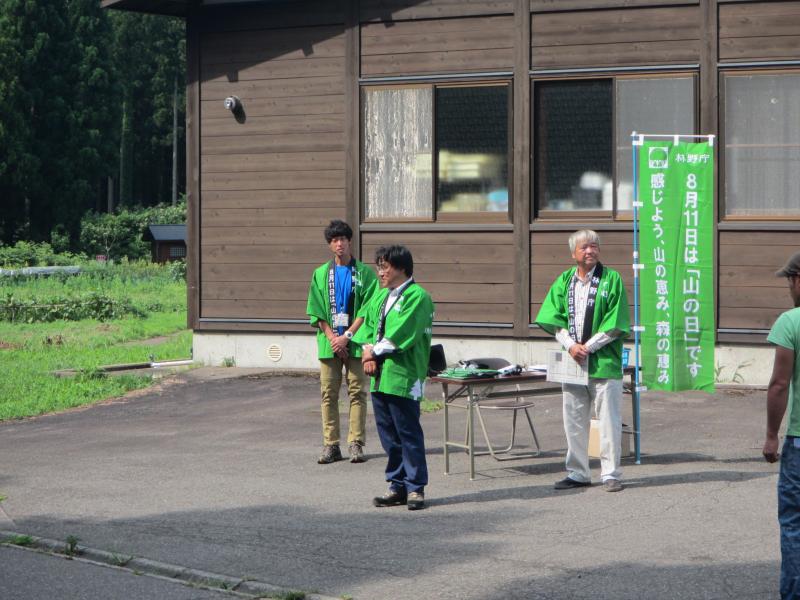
(562, 5)
(750, 295)
(263, 15)
(623, 37)
(269, 184)
(463, 45)
(390, 10)
(550, 257)
(469, 275)
(759, 31)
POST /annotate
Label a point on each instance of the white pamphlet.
(562, 368)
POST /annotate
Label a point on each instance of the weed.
(291, 595)
(20, 540)
(228, 361)
(119, 560)
(72, 545)
(2, 497)
(91, 373)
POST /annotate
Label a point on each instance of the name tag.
(341, 320)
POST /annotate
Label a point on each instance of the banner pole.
(635, 142)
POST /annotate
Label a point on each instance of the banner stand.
(637, 140)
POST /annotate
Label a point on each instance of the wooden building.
(502, 126)
(167, 242)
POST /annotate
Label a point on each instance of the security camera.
(233, 104)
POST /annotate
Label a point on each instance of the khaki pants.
(330, 377)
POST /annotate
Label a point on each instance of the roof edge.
(174, 8)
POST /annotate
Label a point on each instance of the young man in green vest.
(587, 310)
(340, 289)
(784, 388)
(396, 340)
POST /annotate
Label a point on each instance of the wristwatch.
(348, 334)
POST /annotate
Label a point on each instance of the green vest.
(409, 326)
(319, 306)
(610, 313)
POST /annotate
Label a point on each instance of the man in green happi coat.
(396, 341)
(339, 290)
(587, 311)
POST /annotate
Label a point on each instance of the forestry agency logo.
(658, 157)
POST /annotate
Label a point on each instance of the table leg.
(446, 431)
(471, 433)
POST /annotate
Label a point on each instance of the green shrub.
(32, 254)
(118, 235)
(91, 306)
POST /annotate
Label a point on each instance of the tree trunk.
(175, 142)
(125, 155)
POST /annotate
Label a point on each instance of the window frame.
(723, 74)
(600, 216)
(437, 217)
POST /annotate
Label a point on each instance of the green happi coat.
(409, 326)
(319, 305)
(610, 313)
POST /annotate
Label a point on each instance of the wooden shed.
(502, 125)
(168, 242)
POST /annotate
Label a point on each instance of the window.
(436, 152)
(582, 145)
(762, 144)
(177, 251)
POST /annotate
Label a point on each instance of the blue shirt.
(343, 286)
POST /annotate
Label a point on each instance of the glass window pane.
(573, 151)
(762, 144)
(663, 105)
(397, 158)
(472, 148)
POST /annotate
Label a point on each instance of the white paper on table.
(562, 368)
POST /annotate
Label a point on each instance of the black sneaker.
(356, 453)
(330, 454)
(570, 484)
(390, 498)
(416, 500)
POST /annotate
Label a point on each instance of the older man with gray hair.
(587, 311)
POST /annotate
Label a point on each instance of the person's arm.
(577, 351)
(777, 398)
(338, 342)
(601, 339)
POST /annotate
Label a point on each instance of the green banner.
(676, 232)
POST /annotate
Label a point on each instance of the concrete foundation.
(748, 365)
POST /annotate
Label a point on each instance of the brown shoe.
(357, 453)
(330, 454)
(416, 501)
(390, 498)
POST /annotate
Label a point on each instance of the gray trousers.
(606, 395)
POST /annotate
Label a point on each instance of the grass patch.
(19, 540)
(31, 352)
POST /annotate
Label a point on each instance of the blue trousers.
(789, 519)
(401, 436)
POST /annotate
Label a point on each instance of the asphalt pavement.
(215, 471)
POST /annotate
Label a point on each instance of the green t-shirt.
(409, 326)
(786, 334)
(319, 305)
(610, 313)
